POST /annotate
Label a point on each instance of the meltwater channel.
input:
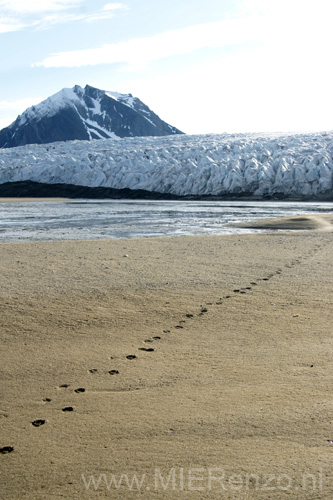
(103, 219)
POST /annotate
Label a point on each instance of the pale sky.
(204, 66)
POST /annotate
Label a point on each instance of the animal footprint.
(131, 356)
(147, 349)
(38, 422)
(203, 311)
(6, 449)
(114, 372)
(80, 389)
(68, 408)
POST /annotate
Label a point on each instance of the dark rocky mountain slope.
(84, 114)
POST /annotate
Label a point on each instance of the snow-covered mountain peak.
(98, 94)
(49, 107)
(126, 99)
(85, 114)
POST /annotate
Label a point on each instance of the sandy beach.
(168, 368)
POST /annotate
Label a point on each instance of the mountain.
(84, 114)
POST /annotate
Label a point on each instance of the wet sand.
(295, 223)
(200, 364)
(27, 199)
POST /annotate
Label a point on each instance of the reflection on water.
(91, 219)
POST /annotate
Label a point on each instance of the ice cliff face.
(84, 114)
(204, 165)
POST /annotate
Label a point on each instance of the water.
(95, 219)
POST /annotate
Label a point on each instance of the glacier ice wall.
(298, 165)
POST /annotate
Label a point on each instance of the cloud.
(19, 104)
(36, 6)
(16, 15)
(287, 28)
(304, 18)
(283, 25)
(47, 22)
(140, 52)
(240, 92)
(11, 109)
(8, 25)
(114, 6)
(106, 12)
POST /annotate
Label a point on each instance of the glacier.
(298, 166)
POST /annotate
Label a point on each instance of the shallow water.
(95, 219)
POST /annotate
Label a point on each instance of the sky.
(204, 66)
